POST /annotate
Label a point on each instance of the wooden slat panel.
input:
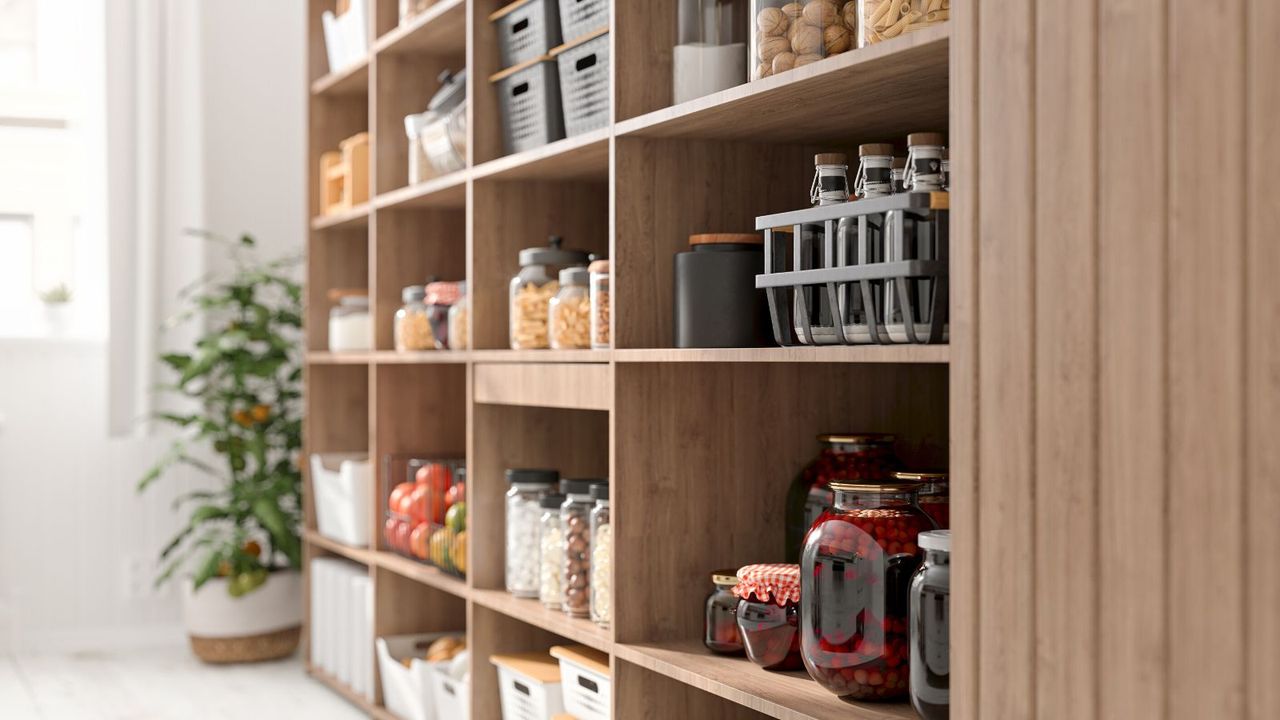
(1005, 332)
(1262, 368)
(1206, 337)
(1132, 228)
(582, 386)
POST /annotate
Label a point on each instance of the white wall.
(77, 546)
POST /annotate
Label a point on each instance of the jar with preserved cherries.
(722, 615)
(859, 458)
(856, 570)
(934, 495)
(768, 614)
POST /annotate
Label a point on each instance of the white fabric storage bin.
(451, 696)
(342, 488)
(585, 683)
(528, 686)
(407, 690)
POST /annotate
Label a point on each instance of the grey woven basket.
(530, 103)
(528, 31)
(579, 17)
(584, 85)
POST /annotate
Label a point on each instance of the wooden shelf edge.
(336, 82)
(787, 696)
(532, 612)
(899, 354)
(653, 124)
(542, 356)
(325, 357)
(528, 163)
(390, 40)
(421, 572)
(444, 191)
(357, 216)
(348, 694)
(364, 556)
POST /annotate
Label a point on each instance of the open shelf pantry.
(713, 303)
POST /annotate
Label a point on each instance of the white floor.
(159, 683)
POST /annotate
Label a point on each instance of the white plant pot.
(264, 624)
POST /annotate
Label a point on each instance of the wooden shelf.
(375, 711)
(324, 357)
(881, 91)
(542, 356)
(585, 157)
(424, 357)
(364, 556)
(351, 80)
(531, 611)
(905, 354)
(356, 217)
(439, 30)
(552, 385)
(447, 191)
(420, 572)
(789, 696)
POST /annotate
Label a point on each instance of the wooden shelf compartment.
(405, 84)
(405, 605)
(341, 265)
(439, 30)
(532, 612)
(576, 386)
(446, 191)
(583, 157)
(350, 80)
(351, 696)
(421, 573)
(898, 354)
(412, 245)
(364, 556)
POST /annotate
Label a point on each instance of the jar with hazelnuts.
(789, 34)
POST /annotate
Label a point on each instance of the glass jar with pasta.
(570, 310)
(880, 20)
(532, 289)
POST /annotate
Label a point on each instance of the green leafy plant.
(57, 295)
(243, 381)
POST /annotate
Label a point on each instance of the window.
(17, 42)
(16, 264)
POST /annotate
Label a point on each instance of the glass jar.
(412, 328)
(880, 20)
(855, 572)
(524, 513)
(550, 551)
(934, 494)
(459, 336)
(600, 335)
(722, 634)
(931, 628)
(575, 571)
(866, 457)
(830, 178)
(531, 291)
(601, 557)
(787, 34)
(711, 50)
(439, 299)
(350, 326)
(912, 236)
(768, 614)
(570, 311)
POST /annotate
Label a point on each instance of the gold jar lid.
(888, 487)
(921, 475)
(728, 577)
(856, 438)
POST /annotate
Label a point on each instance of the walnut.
(806, 40)
(770, 46)
(836, 38)
(783, 62)
(821, 13)
(771, 21)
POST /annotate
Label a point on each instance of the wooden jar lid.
(830, 159)
(925, 138)
(875, 149)
(726, 239)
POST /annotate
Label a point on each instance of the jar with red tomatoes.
(768, 614)
(864, 457)
(934, 495)
(856, 570)
(722, 615)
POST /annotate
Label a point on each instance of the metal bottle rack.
(894, 252)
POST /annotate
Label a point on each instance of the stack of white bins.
(342, 622)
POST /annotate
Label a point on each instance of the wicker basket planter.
(265, 624)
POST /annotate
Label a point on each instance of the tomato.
(423, 474)
(417, 503)
(456, 518)
(438, 506)
(418, 540)
(396, 502)
(389, 531)
(455, 495)
(402, 536)
(437, 475)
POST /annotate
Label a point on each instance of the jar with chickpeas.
(532, 289)
(570, 311)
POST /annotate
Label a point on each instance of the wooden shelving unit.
(700, 445)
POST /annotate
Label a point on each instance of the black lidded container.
(716, 300)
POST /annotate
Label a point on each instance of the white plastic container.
(451, 695)
(585, 683)
(407, 690)
(528, 686)
(342, 490)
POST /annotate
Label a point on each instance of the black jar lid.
(553, 254)
(532, 476)
(551, 501)
(600, 491)
(580, 486)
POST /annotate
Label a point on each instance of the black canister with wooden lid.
(716, 300)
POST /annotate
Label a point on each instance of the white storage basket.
(584, 84)
(528, 686)
(452, 697)
(585, 682)
(342, 492)
(406, 691)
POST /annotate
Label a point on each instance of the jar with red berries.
(934, 495)
(722, 615)
(768, 615)
(856, 570)
(865, 458)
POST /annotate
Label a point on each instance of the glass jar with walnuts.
(788, 35)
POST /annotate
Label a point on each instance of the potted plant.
(57, 304)
(239, 553)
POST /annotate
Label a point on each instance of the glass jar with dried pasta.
(533, 287)
(880, 20)
(570, 310)
(412, 328)
(600, 338)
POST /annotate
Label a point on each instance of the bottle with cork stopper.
(924, 162)
(830, 179)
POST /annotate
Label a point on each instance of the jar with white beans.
(550, 552)
(601, 558)
(524, 512)
(575, 572)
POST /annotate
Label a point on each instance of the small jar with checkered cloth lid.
(768, 614)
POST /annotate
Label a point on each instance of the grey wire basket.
(863, 272)
(579, 17)
(529, 100)
(584, 85)
(527, 31)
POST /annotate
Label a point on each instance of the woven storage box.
(529, 98)
(579, 17)
(526, 29)
(584, 84)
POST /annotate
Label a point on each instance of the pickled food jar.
(768, 614)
